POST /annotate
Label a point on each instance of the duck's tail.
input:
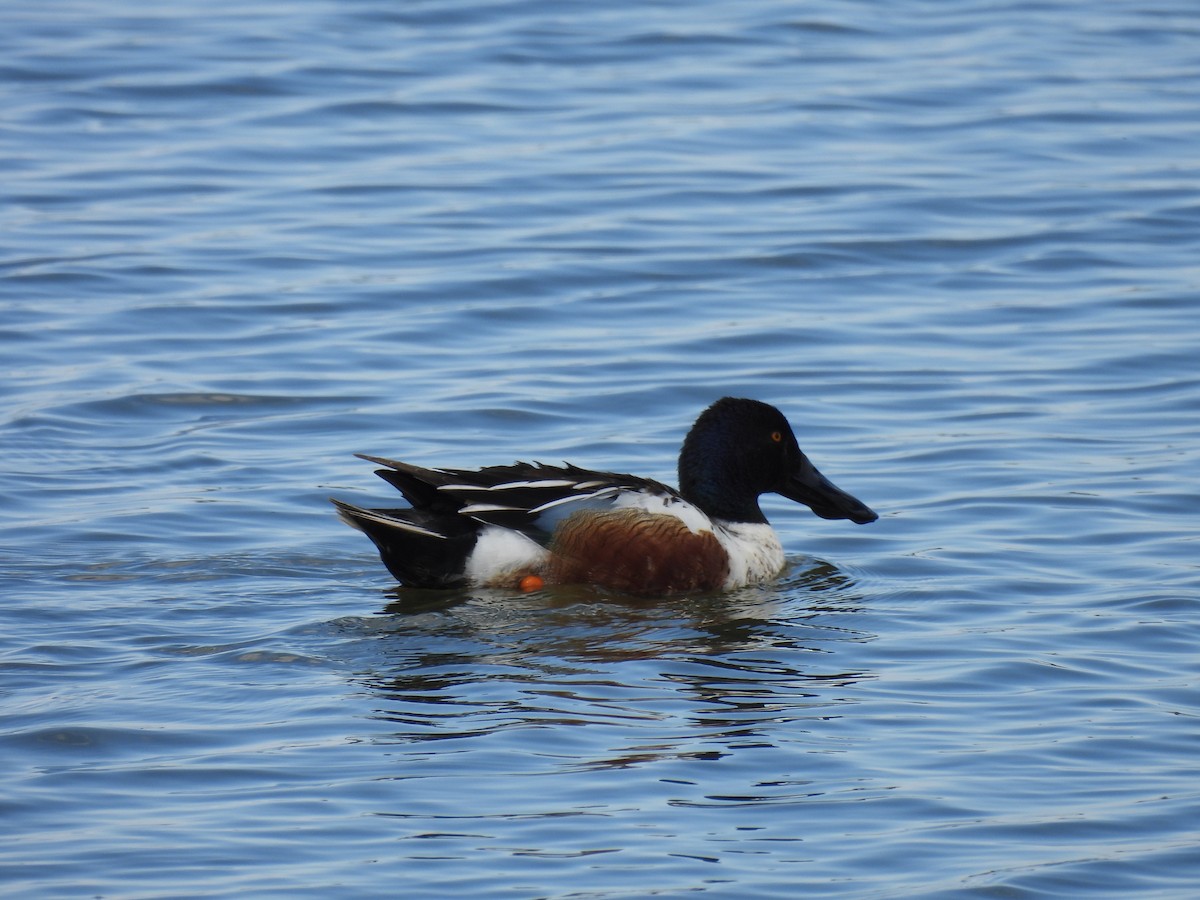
(418, 548)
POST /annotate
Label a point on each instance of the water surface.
(955, 244)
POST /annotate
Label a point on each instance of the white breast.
(755, 553)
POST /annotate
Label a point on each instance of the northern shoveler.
(528, 524)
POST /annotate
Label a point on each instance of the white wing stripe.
(510, 486)
(488, 507)
(575, 498)
(393, 522)
(547, 483)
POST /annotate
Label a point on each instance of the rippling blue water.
(956, 243)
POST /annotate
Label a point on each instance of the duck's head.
(740, 449)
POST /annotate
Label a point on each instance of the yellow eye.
(777, 436)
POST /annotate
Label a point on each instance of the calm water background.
(959, 245)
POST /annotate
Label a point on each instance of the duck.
(527, 525)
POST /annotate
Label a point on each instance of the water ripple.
(956, 247)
